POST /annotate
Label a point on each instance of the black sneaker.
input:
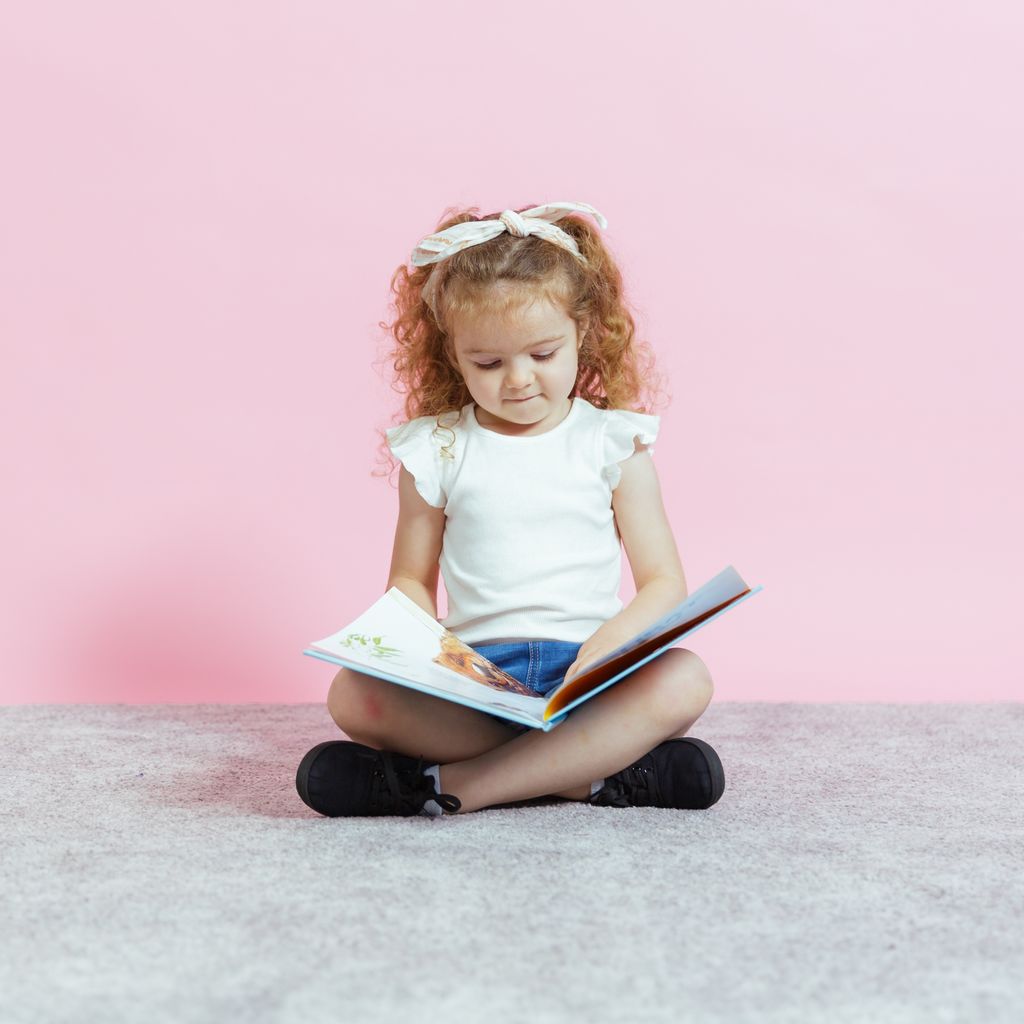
(684, 773)
(342, 778)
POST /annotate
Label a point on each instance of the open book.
(396, 640)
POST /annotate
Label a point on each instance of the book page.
(395, 639)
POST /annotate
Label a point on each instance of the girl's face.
(520, 371)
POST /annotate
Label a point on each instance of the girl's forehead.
(538, 315)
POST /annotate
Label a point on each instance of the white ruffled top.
(530, 547)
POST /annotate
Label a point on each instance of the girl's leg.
(660, 700)
(386, 716)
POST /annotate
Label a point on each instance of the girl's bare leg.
(484, 762)
(389, 717)
(660, 700)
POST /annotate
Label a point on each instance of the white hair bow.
(538, 220)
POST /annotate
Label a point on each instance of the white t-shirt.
(530, 548)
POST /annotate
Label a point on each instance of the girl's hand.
(599, 646)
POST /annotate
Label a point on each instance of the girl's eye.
(491, 366)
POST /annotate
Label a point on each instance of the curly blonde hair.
(616, 371)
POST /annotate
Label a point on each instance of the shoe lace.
(632, 787)
(405, 790)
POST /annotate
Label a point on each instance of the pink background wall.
(819, 212)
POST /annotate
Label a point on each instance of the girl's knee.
(685, 685)
(356, 702)
(699, 683)
(699, 676)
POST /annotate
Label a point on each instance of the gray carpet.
(864, 864)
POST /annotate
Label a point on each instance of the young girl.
(522, 469)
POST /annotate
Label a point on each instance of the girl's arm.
(647, 537)
(417, 549)
(653, 558)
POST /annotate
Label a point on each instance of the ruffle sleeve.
(621, 428)
(412, 444)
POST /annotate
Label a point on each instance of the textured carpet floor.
(864, 864)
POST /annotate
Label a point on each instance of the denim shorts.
(539, 664)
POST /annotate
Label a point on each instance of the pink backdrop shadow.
(819, 214)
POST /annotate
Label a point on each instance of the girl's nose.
(519, 377)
